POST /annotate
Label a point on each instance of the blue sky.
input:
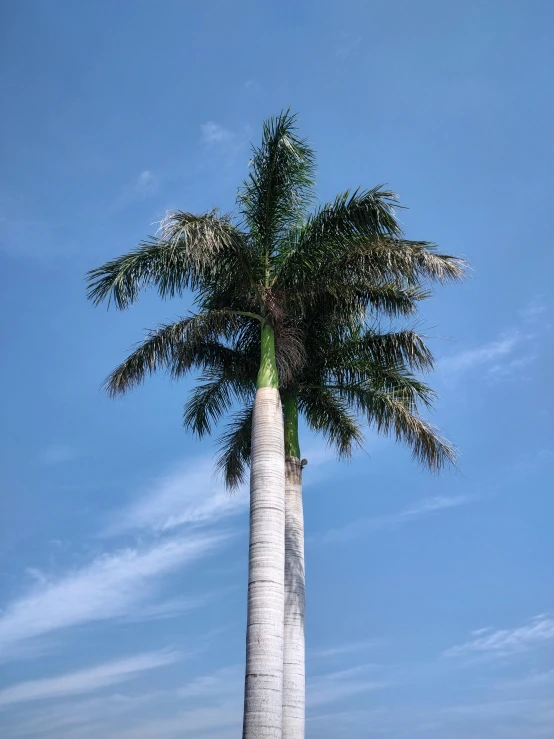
(123, 562)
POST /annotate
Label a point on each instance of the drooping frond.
(390, 259)
(327, 413)
(353, 352)
(392, 416)
(195, 341)
(388, 299)
(190, 248)
(209, 401)
(234, 445)
(279, 188)
(357, 299)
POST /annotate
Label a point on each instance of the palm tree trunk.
(263, 693)
(294, 661)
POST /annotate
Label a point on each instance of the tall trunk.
(263, 692)
(294, 661)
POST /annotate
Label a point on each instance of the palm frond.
(391, 259)
(326, 412)
(279, 189)
(235, 447)
(391, 416)
(371, 349)
(352, 218)
(170, 348)
(191, 247)
(209, 401)
(194, 341)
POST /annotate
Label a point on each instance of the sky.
(430, 605)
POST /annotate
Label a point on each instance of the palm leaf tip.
(234, 449)
(431, 449)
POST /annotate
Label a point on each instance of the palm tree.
(351, 371)
(258, 275)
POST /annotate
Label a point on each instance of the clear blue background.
(123, 565)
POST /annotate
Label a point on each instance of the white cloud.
(508, 369)
(220, 684)
(506, 355)
(57, 454)
(214, 133)
(86, 717)
(187, 495)
(168, 608)
(528, 682)
(326, 653)
(534, 308)
(504, 642)
(140, 188)
(420, 509)
(192, 723)
(470, 358)
(88, 680)
(145, 185)
(347, 45)
(111, 586)
(335, 686)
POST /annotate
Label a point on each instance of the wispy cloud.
(506, 355)
(143, 186)
(528, 682)
(534, 308)
(504, 642)
(335, 686)
(193, 723)
(484, 354)
(214, 134)
(347, 45)
(146, 184)
(220, 684)
(342, 649)
(418, 510)
(57, 454)
(221, 142)
(88, 680)
(77, 717)
(111, 586)
(186, 495)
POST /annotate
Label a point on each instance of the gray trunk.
(263, 694)
(294, 681)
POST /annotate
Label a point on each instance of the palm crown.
(276, 260)
(308, 278)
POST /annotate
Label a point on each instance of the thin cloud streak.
(144, 186)
(88, 680)
(335, 686)
(419, 510)
(326, 653)
(222, 683)
(109, 587)
(500, 352)
(186, 496)
(505, 642)
(471, 358)
(57, 454)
